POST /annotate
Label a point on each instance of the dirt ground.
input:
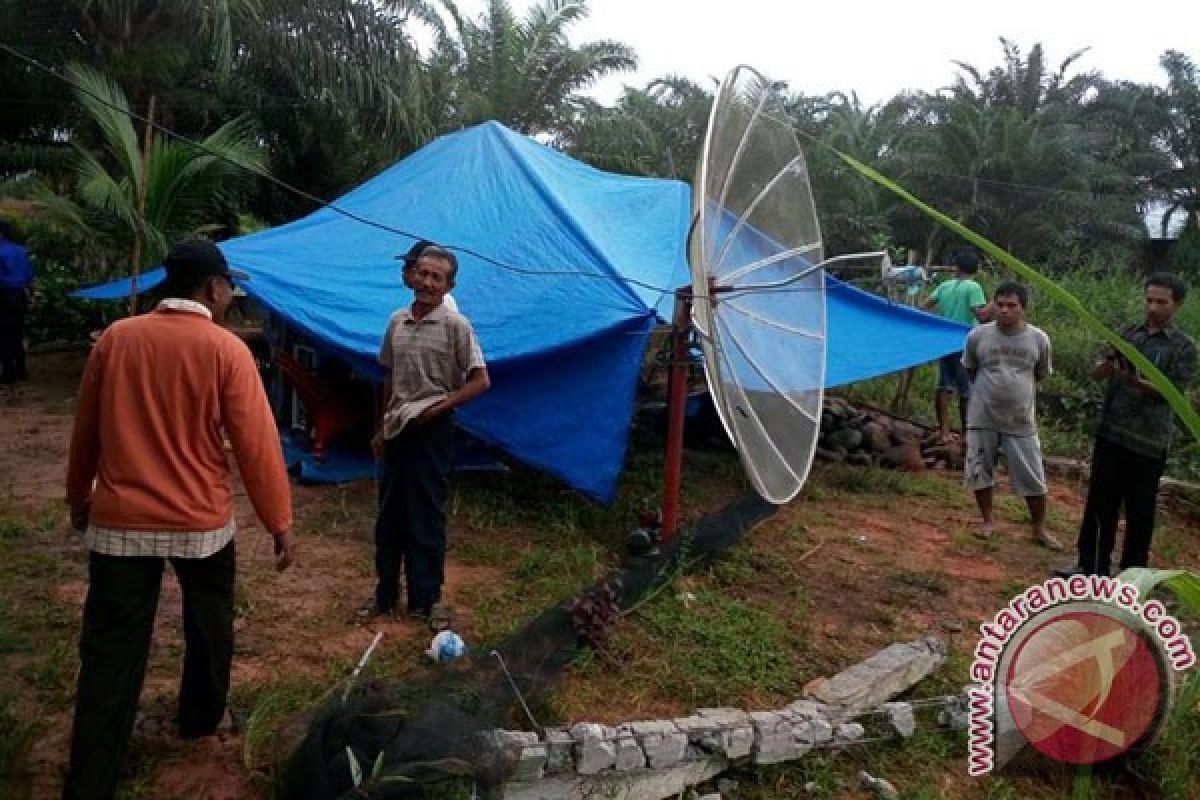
(874, 567)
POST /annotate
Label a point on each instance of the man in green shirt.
(961, 299)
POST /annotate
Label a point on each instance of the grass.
(17, 734)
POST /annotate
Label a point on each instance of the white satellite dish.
(757, 299)
(758, 286)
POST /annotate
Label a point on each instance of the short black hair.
(6, 229)
(967, 261)
(414, 252)
(437, 251)
(1013, 289)
(1169, 280)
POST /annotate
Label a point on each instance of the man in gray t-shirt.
(1004, 360)
(432, 364)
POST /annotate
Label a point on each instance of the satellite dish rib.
(763, 342)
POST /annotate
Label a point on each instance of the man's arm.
(1044, 365)
(385, 400)
(248, 420)
(476, 384)
(982, 313)
(1179, 372)
(970, 359)
(930, 302)
(85, 438)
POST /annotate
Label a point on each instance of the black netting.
(428, 736)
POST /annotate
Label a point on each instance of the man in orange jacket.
(148, 481)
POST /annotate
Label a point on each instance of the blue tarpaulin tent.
(565, 328)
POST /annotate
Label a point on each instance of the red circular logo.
(1084, 687)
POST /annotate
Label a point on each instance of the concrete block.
(629, 754)
(901, 718)
(560, 750)
(663, 749)
(848, 732)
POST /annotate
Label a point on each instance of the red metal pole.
(676, 400)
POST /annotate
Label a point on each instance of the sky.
(878, 48)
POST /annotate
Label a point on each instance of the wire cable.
(326, 204)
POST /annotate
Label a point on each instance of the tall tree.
(522, 72)
(656, 130)
(1178, 133)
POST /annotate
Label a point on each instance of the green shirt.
(955, 299)
(1135, 420)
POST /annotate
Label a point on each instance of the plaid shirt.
(158, 544)
(1135, 420)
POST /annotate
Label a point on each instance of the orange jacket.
(157, 396)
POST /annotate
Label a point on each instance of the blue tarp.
(565, 332)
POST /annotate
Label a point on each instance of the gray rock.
(649, 726)
(900, 716)
(881, 789)
(731, 743)
(664, 748)
(876, 437)
(847, 439)
(560, 748)
(595, 750)
(838, 407)
(903, 432)
(813, 732)
(905, 456)
(696, 727)
(725, 717)
(726, 785)
(954, 713)
(531, 756)
(881, 677)
(822, 454)
(848, 732)
(629, 754)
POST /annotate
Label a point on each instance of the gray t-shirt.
(1007, 368)
(428, 359)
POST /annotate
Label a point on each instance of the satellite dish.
(758, 284)
(757, 297)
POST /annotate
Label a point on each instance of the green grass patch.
(712, 649)
(889, 483)
(17, 735)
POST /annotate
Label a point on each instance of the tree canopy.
(1043, 158)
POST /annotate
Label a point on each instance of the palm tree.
(138, 196)
(1178, 131)
(655, 131)
(524, 73)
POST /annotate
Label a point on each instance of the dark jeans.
(1120, 477)
(118, 619)
(411, 527)
(13, 304)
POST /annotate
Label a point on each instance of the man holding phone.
(1136, 428)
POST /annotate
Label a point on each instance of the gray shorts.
(1022, 454)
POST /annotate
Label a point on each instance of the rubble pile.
(872, 437)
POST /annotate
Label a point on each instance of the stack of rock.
(870, 437)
